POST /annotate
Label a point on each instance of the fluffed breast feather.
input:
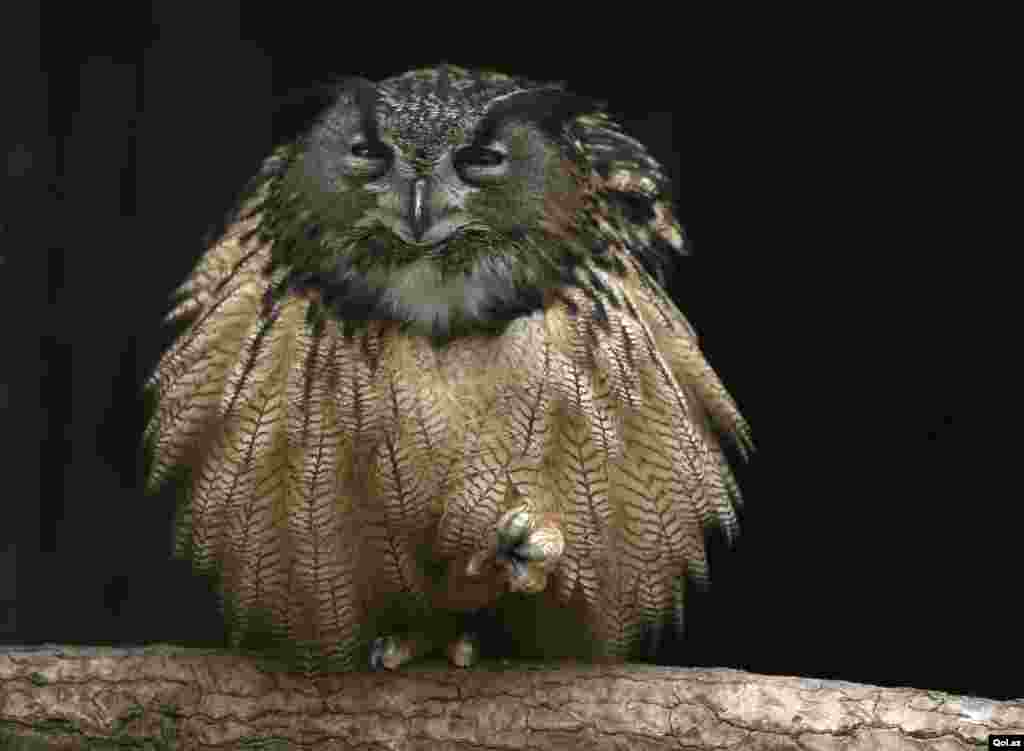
(320, 467)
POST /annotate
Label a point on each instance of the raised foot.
(529, 547)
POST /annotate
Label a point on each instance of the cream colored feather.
(328, 473)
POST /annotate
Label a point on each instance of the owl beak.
(420, 219)
(423, 226)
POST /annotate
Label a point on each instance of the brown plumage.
(337, 477)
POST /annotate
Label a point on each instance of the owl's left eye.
(477, 164)
(476, 156)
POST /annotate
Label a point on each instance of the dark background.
(871, 547)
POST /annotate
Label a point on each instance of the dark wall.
(861, 558)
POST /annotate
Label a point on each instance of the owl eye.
(476, 156)
(367, 150)
(477, 162)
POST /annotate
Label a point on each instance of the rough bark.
(161, 697)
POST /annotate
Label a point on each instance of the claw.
(514, 525)
(464, 651)
(530, 551)
(529, 547)
(389, 652)
(380, 652)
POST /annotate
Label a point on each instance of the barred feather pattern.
(323, 467)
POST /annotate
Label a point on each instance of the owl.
(429, 371)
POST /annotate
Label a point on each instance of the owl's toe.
(391, 652)
(384, 653)
(529, 548)
(464, 651)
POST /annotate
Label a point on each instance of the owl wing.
(299, 499)
(629, 458)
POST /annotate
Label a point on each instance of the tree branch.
(156, 697)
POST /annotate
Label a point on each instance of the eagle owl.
(430, 370)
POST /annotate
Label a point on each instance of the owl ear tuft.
(550, 108)
(366, 95)
(297, 111)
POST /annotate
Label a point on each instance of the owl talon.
(383, 653)
(529, 548)
(464, 651)
(514, 526)
(391, 652)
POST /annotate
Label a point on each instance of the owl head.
(453, 201)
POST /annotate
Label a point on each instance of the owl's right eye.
(367, 150)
